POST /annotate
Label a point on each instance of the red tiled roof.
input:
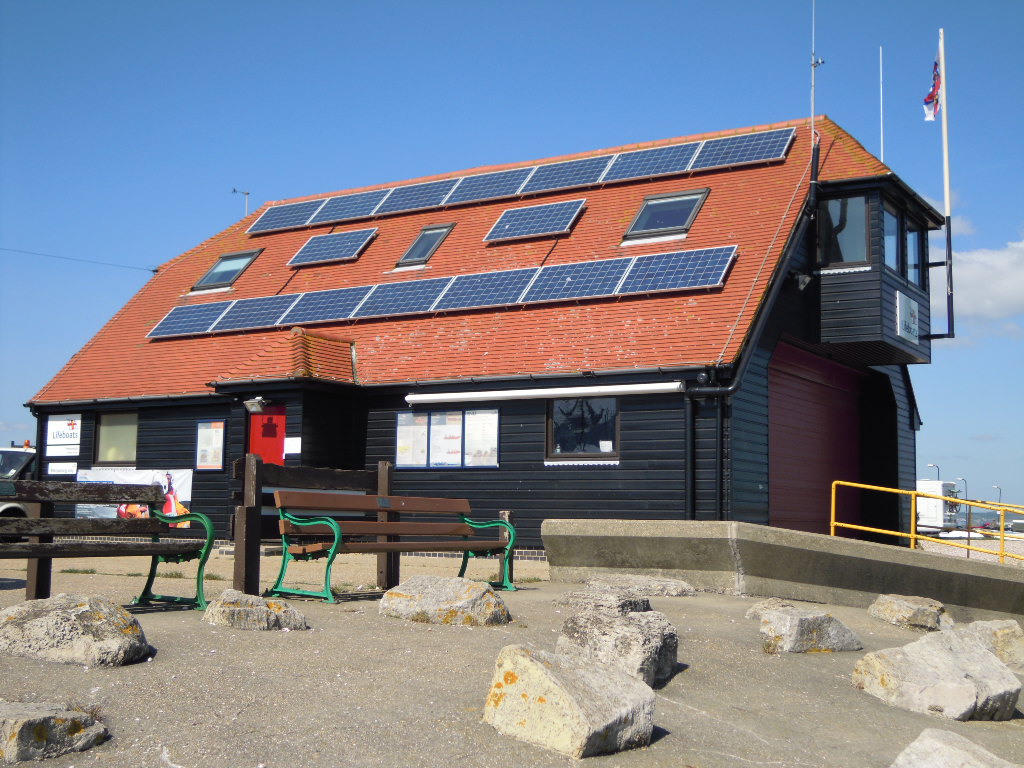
(753, 207)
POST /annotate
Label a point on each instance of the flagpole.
(944, 104)
(881, 104)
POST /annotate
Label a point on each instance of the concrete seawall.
(748, 559)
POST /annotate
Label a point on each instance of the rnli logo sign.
(906, 318)
(63, 434)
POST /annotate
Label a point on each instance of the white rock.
(797, 630)
(948, 674)
(42, 731)
(943, 749)
(643, 645)
(575, 709)
(445, 600)
(1003, 638)
(242, 611)
(648, 586)
(911, 611)
(769, 604)
(611, 602)
(73, 629)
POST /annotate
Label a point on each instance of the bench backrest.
(294, 501)
(58, 492)
(21, 526)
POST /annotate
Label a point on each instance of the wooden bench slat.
(22, 550)
(480, 545)
(363, 528)
(56, 526)
(61, 492)
(334, 502)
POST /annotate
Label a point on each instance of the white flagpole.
(944, 109)
(881, 104)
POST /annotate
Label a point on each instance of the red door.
(266, 434)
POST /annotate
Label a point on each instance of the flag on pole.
(932, 101)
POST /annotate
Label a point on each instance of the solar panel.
(577, 281)
(182, 321)
(337, 246)
(349, 206)
(701, 268)
(286, 216)
(652, 162)
(255, 313)
(415, 196)
(488, 289)
(402, 298)
(325, 305)
(574, 173)
(489, 186)
(748, 148)
(549, 219)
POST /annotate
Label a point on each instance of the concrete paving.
(365, 690)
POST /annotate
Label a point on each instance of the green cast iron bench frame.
(374, 524)
(41, 548)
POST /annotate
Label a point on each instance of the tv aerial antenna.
(236, 191)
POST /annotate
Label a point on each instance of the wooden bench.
(40, 547)
(255, 518)
(348, 529)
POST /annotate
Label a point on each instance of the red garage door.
(814, 437)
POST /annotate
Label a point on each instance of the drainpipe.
(722, 393)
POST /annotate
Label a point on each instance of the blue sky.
(124, 127)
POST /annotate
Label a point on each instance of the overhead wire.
(80, 260)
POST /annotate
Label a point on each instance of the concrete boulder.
(948, 674)
(41, 731)
(445, 600)
(241, 611)
(73, 629)
(797, 630)
(1003, 638)
(643, 645)
(768, 604)
(943, 749)
(647, 586)
(910, 611)
(610, 602)
(575, 709)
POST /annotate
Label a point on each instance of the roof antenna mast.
(236, 191)
(815, 63)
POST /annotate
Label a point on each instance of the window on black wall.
(116, 437)
(583, 426)
(843, 230)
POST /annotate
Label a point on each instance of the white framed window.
(116, 437)
(669, 214)
(452, 439)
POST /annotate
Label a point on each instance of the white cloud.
(987, 284)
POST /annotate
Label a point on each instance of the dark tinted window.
(585, 426)
(666, 215)
(843, 233)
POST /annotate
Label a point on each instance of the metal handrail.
(1001, 508)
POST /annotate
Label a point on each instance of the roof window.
(226, 270)
(423, 247)
(670, 214)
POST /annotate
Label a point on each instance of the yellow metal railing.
(914, 536)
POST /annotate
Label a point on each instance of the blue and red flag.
(932, 101)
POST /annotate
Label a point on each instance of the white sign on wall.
(906, 318)
(63, 434)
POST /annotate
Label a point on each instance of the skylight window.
(423, 247)
(226, 270)
(671, 214)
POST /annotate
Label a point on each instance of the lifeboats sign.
(63, 434)
(906, 318)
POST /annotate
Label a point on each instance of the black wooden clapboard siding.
(648, 482)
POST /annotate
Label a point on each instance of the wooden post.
(39, 570)
(388, 563)
(248, 528)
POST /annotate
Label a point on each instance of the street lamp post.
(966, 498)
(1000, 501)
(937, 475)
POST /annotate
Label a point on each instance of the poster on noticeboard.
(176, 485)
